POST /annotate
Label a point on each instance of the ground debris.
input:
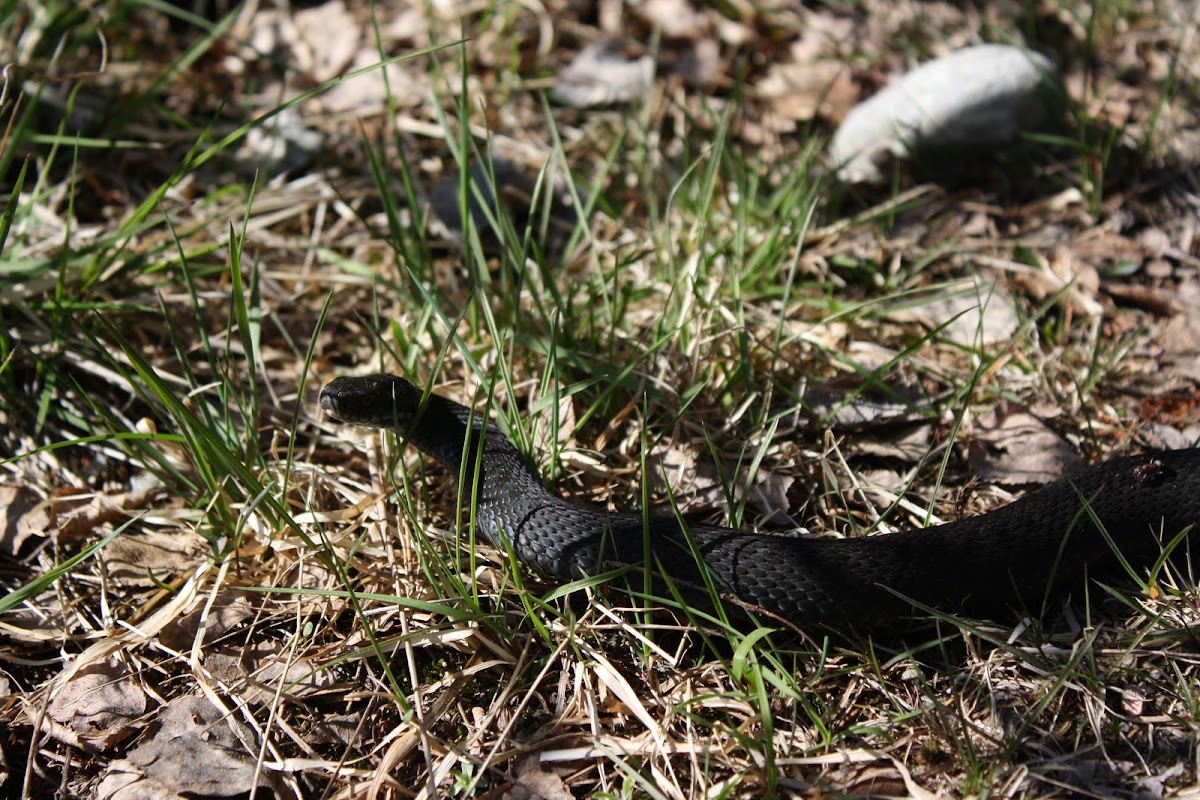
(193, 749)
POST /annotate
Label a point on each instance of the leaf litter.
(182, 680)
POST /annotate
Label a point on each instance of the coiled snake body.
(1015, 558)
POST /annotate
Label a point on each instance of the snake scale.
(1102, 523)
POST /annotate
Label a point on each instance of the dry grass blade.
(666, 300)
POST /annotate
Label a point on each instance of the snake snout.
(328, 400)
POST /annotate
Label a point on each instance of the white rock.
(978, 97)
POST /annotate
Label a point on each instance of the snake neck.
(474, 449)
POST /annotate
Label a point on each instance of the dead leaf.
(94, 709)
(256, 670)
(1180, 337)
(677, 19)
(1074, 282)
(698, 486)
(143, 558)
(906, 443)
(1019, 450)
(1156, 436)
(72, 513)
(560, 422)
(1179, 408)
(228, 610)
(345, 730)
(1149, 298)
(535, 783)
(1132, 702)
(1155, 242)
(407, 24)
(801, 90)
(771, 497)
(888, 483)
(975, 312)
(15, 503)
(699, 65)
(843, 408)
(600, 76)
(331, 34)
(192, 751)
(824, 35)
(366, 94)
(281, 144)
(695, 483)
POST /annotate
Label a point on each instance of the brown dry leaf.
(119, 784)
(260, 667)
(906, 443)
(95, 707)
(228, 610)
(1133, 701)
(600, 75)
(1174, 409)
(365, 94)
(1180, 337)
(886, 482)
(694, 484)
(770, 496)
(143, 559)
(1074, 281)
(560, 422)
(15, 504)
(535, 783)
(331, 34)
(72, 514)
(1157, 436)
(323, 43)
(1019, 450)
(1155, 242)
(677, 19)
(345, 730)
(283, 144)
(844, 408)
(976, 312)
(627, 698)
(824, 34)
(698, 486)
(408, 24)
(1149, 298)
(699, 65)
(193, 751)
(1107, 250)
(802, 90)
(875, 781)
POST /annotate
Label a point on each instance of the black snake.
(1111, 519)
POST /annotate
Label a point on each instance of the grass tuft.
(655, 302)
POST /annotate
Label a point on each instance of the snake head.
(378, 401)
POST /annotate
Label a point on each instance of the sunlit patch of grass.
(701, 287)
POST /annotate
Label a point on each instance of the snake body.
(1111, 519)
